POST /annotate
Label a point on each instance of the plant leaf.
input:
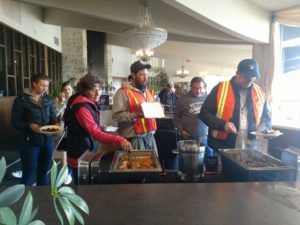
(2, 168)
(77, 201)
(62, 176)
(37, 222)
(33, 214)
(77, 214)
(67, 190)
(11, 195)
(65, 204)
(58, 212)
(53, 177)
(26, 210)
(7, 216)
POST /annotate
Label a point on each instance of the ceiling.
(275, 5)
(115, 16)
(188, 36)
(181, 22)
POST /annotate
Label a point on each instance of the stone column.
(74, 53)
(108, 62)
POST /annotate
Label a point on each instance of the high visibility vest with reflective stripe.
(226, 103)
(135, 98)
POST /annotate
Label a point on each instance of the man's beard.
(140, 86)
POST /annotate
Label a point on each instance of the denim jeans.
(36, 162)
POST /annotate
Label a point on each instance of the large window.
(286, 95)
(21, 57)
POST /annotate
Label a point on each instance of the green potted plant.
(64, 198)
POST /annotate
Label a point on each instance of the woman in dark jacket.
(83, 125)
(30, 111)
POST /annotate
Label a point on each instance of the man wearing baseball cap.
(235, 108)
(127, 109)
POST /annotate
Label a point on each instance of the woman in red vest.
(235, 108)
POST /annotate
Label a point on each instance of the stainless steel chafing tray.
(135, 153)
(252, 165)
(252, 159)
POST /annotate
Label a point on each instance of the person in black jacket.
(82, 121)
(236, 108)
(30, 111)
(168, 97)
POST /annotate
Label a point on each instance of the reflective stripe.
(149, 95)
(137, 103)
(144, 125)
(258, 103)
(133, 96)
(258, 91)
(221, 103)
(223, 98)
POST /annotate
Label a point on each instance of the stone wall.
(74, 53)
(108, 62)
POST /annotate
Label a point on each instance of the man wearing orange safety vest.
(235, 108)
(127, 109)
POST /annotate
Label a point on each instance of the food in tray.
(50, 129)
(135, 162)
(250, 160)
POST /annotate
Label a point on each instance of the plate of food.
(50, 129)
(267, 133)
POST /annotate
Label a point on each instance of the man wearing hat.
(235, 108)
(168, 97)
(127, 109)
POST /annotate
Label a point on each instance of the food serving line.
(237, 166)
(233, 165)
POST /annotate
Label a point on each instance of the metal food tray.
(237, 171)
(244, 154)
(119, 154)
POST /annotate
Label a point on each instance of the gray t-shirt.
(186, 115)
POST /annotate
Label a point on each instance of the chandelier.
(145, 36)
(144, 55)
(183, 72)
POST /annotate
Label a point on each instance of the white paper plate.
(152, 110)
(255, 133)
(44, 129)
(110, 129)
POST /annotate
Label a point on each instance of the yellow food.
(136, 162)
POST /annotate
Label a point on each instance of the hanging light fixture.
(183, 72)
(145, 36)
(144, 55)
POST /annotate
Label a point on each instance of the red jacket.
(86, 120)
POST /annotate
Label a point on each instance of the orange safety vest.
(135, 98)
(226, 103)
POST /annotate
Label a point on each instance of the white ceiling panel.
(275, 5)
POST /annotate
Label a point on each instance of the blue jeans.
(36, 162)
